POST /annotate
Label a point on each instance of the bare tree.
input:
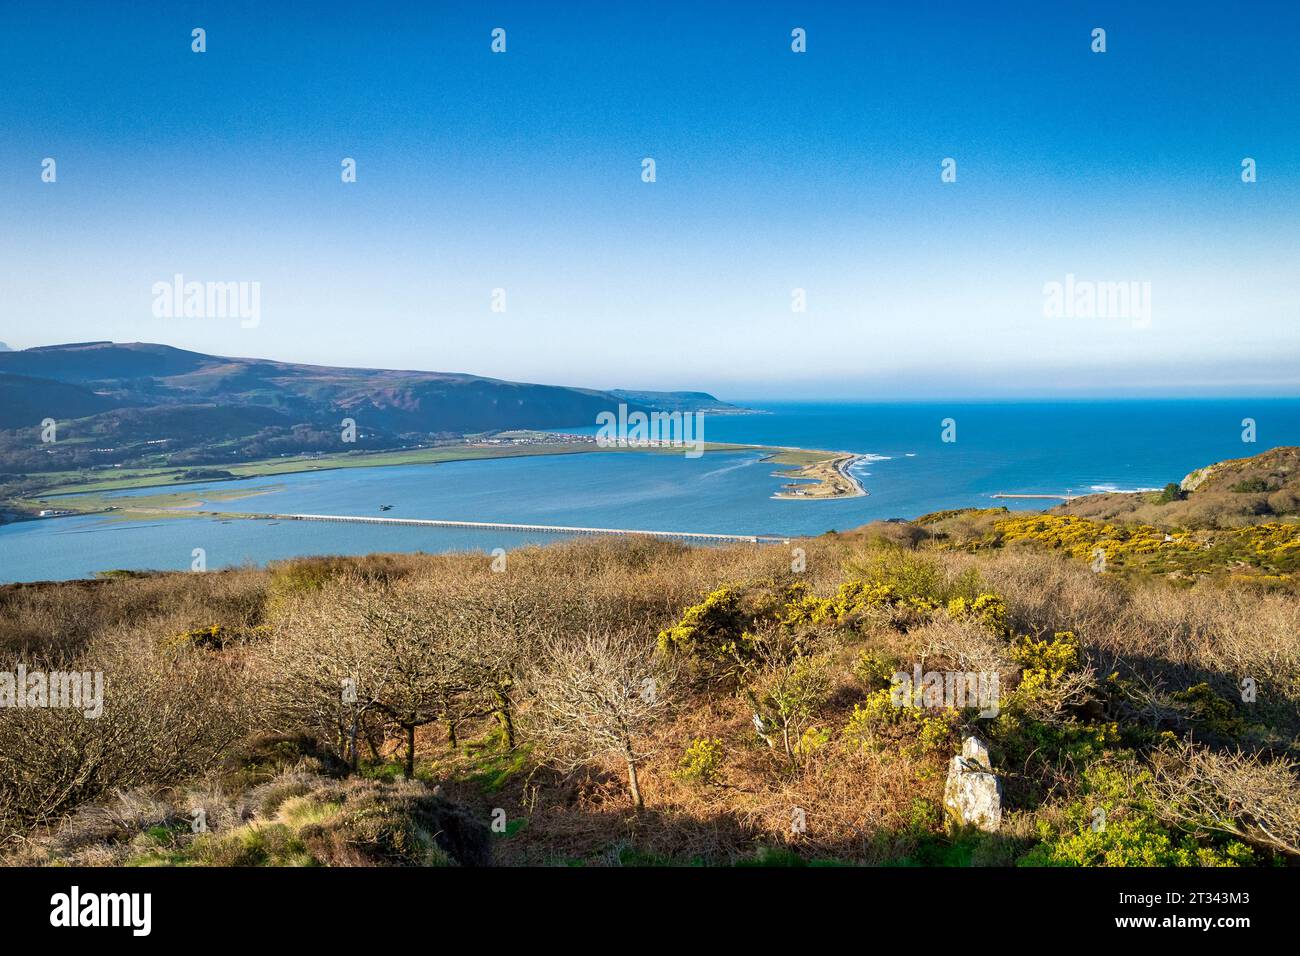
(320, 671)
(595, 695)
(497, 634)
(424, 670)
(355, 650)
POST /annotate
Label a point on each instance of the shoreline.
(830, 479)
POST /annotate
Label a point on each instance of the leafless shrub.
(902, 534)
(1235, 793)
(164, 718)
(356, 651)
(316, 660)
(598, 695)
(46, 621)
(967, 645)
(1045, 593)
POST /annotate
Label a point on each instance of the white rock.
(973, 793)
(976, 751)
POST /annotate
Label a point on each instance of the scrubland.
(625, 702)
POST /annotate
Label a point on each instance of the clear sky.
(775, 171)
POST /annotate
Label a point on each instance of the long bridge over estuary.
(1067, 497)
(527, 528)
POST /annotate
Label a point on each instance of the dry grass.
(177, 712)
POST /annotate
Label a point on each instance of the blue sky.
(775, 171)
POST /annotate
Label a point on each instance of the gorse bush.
(702, 762)
(1083, 538)
(1267, 547)
(874, 670)
(988, 609)
(883, 721)
(907, 575)
(872, 718)
(1212, 714)
(1045, 662)
(711, 629)
(1051, 717)
(214, 637)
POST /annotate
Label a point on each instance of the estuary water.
(1014, 448)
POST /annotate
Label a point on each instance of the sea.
(909, 467)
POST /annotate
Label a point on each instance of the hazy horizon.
(786, 392)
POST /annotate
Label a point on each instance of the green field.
(799, 457)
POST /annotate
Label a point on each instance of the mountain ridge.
(122, 395)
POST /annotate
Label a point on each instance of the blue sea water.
(1020, 448)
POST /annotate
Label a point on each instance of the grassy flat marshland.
(89, 487)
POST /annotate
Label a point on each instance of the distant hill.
(26, 401)
(676, 401)
(122, 395)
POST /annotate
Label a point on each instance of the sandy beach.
(827, 478)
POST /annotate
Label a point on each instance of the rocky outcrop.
(973, 794)
(1196, 479)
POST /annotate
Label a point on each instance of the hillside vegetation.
(637, 702)
(142, 403)
(1238, 520)
(1243, 491)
